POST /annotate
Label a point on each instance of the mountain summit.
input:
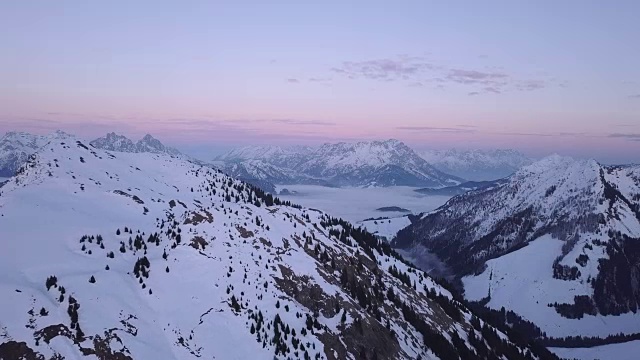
(148, 143)
(366, 163)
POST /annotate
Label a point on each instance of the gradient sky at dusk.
(542, 77)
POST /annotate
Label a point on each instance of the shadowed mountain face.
(374, 163)
(582, 219)
(144, 255)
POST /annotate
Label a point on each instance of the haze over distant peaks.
(477, 165)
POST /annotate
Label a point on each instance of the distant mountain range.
(558, 242)
(370, 163)
(476, 165)
(367, 163)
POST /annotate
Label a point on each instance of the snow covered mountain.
(476, 165)
(368, 163)
(15, 148)
(557, 243)
(138, 255)
(148, 144)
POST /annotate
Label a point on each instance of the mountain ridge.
(364, 163)
(123, 255)
(579, 220)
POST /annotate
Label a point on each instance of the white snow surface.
(182, 309)
(523, 281)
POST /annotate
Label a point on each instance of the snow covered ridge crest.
(147, 256)
(366, 163)
(592, 211)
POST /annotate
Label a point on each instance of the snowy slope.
(476, 165)
(367, 163)
(116, 255)
(553, 244)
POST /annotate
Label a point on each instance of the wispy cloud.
(319, 79)
(554, 134)
(635, 96)
(418, 71)
(401, 68)
(304, 122)
(476, 77)
(293, 81)
(630, 137)
(436, 129)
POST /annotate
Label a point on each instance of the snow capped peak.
(120, 143)
(365, 163)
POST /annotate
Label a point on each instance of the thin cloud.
(401, 68)
(417, 71)
(476, 77)
(304, 122)
(558, 134)
(320, 79)
(293, 81)
(630, 137)
(636, 96)
(436, 129)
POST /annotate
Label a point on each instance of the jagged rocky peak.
(116, 142)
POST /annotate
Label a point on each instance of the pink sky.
(541, 78)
